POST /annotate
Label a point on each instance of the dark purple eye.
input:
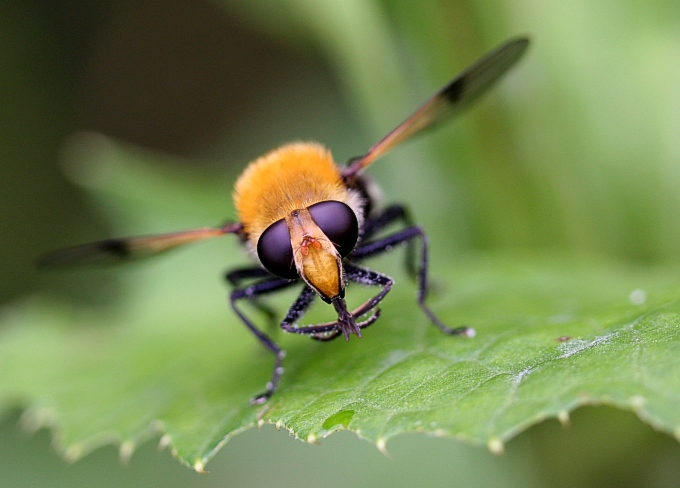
(275, 251)
(338, 222)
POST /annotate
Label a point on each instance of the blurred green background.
(577, 150)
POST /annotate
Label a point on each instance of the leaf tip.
(73, 453)
(563, 418)
(164, 442)
(199, 467)
(311, 438)
(32, 420)
(125, 451)
(495, 445)
(637, 402)
(381, 444)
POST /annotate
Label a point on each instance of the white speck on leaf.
(637, 296)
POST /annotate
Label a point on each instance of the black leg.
(392, 214)
(298, 308)
(236, 277)
(368, 249)
(319, 331)
(346, 320)
(366, 277)
(325, 337)
(329, 336)
(248, 293)
(296, 311)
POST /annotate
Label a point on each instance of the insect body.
(306, 219)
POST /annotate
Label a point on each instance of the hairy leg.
(251, 292)
(410, 234)
(237, 277)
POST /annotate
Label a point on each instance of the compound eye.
(338, 222)
(276, 252)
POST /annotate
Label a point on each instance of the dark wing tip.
(114, 251)
(110, 251)
(476, 79)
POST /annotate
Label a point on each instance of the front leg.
(236, 277)
(325, 331)
(364, 276)
(369, 249)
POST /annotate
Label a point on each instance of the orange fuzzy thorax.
(291, 177)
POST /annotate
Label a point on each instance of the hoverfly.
(308, 221)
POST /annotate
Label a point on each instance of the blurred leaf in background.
(576, 152)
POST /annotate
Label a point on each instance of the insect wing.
(112, 251)
(463, 89)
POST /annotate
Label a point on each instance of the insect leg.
(328, 330)
(298, 308)
(331, 330)
(237, 276)
(373, 248)
(387, 216)
(324, 337)
(248, 293)
(367, 277)
(357, 274)
(395, 212)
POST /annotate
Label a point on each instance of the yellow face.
(316, 258)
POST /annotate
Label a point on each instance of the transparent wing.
(112, 251)
(463, 89)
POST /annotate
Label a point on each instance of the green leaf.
(553, 333)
